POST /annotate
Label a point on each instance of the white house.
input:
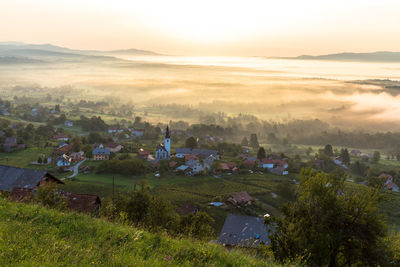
(267, 163)
(195, 165)
(136, 132)
(68, 123)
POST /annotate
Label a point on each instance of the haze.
(251, 27)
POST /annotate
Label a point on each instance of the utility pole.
(113, 192)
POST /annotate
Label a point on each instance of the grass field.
(23, 158)
(34, 236)
(198, 190)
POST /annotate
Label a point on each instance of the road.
(76, 169)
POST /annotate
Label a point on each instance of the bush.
(49, 197)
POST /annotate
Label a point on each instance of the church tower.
(167, 142)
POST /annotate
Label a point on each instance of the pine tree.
(245, 142)
(261, 153)
(254, 141)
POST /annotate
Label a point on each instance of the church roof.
(167, 133)
(161, 147)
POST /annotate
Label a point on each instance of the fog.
(277, 90)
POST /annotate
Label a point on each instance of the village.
(237, 184)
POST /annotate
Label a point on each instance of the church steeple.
(167, 142)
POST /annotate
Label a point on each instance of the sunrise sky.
(207, 27)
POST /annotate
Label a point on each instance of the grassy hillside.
(35, 236)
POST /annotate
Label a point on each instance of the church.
(163, 151)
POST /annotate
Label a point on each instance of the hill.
(36, 236)
(382, 56)
(365, 57)
(14, 47)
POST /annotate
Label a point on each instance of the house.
(143, 154)
(10, 143)
(195, 165)
(223, 167)
(204, 153)
(281, 163)
(368, 155)
(78, 156)
(388, 182)
(181, 152)
(386, 177)
(137, 132)
(68, 123)
(200, 153)
(355, 153)
(189, 157)
(61, 137)
(208, 162)
(249, 163)
(64, 161)
(24, 195)
(187, 208)
(240, 198)
(112, 129)
(184, 169)
(101, 153)
(243, 231)
(114, 147)
(67, 149)
(267, 163)
(172, 164)
(279, 170)
(12, 177)
(392, 186)
(62, 143)
(82, 202)
(34, 112)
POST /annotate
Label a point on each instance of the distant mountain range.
(15, 46)
(21, 53)
(382, 56)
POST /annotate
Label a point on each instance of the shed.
(244, 231)
(11, 177)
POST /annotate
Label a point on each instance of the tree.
(344, 154)
(191, 142)
(197, 225)
(88, 150)
(329, 225)
(48, 196)
(261, 153)
(244, 142)
(328, 150)
(44, 160)
(254, 141)
(376, 157)
(76, 144)
(39, 160)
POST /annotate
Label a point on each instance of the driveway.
(76, 169)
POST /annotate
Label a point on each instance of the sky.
(207, 27)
